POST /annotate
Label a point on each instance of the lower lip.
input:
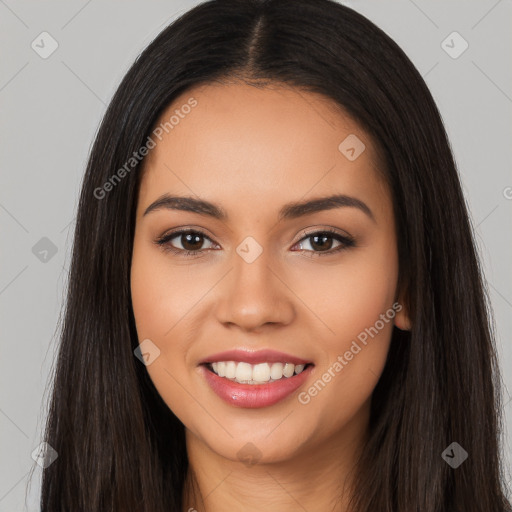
(254, 395)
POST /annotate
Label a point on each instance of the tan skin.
(251, 150)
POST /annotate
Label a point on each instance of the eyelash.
(346, 242)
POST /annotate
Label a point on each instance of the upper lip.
(253, 357)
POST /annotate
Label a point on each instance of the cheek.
(165, 301)
(357, 306)
(351, 295)
(157, 308)
(162, 294)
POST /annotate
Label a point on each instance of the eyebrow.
(288, 211)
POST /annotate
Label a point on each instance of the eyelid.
(173, 233)
(345, 240)
(306, 233)
(186, 229)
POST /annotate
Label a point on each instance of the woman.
(275, 301)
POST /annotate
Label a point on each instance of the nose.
(255, 294)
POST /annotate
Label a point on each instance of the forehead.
(274, 142)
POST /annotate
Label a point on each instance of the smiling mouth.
(262, 373)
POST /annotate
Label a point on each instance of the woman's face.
(265, 276)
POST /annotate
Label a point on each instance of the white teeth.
(299, 368)
(243, 371)
(261, 372)
(288, 369)
(230, 369)
(276, 371)
(246, 373)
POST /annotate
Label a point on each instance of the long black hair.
(120, 447)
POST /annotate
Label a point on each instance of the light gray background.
(51, 108)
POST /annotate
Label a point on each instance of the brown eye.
(321, 242)
(191, 242)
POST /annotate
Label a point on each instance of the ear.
(402, 319)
